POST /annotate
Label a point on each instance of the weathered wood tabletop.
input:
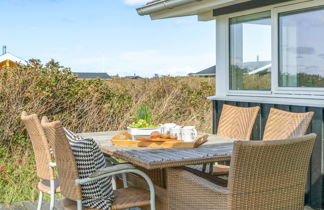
(216, 149)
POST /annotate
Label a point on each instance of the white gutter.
(161, 5)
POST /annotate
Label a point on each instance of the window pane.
(301, 48)
(250, 52)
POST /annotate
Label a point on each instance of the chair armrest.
(121, 169)
(111, 169)
(189, 191)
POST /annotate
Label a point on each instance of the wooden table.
(153, 161)
(216, 149)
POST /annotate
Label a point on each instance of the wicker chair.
(255, 182)
(283, 124)
(235, 123)
(45, 166)
(70, 181)
(280, 125)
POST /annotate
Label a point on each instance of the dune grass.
(85, 106)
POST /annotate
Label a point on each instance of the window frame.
(275, 78)
(241, 92)
(298, 92)
(229, 60)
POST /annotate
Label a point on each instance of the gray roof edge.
(159, 5)
(208, 71)
(89, 75)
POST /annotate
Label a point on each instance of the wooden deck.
(29, 205)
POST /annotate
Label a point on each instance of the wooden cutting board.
(159, 144)
(159, 139)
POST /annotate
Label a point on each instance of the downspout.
(167, 4)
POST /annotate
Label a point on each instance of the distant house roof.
(90, 75)
(133, 77)
(10, 57)
(211, 71)
(254, 67)
(262, 69)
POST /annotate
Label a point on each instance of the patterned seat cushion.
(96, 194)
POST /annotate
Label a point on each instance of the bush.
(85, 106)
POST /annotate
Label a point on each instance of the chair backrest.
(283, 124)
(65, 161)
(40, 145)
(45, 120)
(272, 172)
(237, 122)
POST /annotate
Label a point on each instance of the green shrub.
(85, 106)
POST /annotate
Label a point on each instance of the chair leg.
(211, 168)
(79, 205)
(52, 201)
(124, 180)
(204, 167)
(113, 182)
(40, 200)
(52, 194)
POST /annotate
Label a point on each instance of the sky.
(106, 36)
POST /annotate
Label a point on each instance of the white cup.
(165, 128)
(189, 133)
(175, 132)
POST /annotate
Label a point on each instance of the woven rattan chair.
(283, 124)
(235, 123)
(70, 181)
(255, 182)
(280, 125)
(44, 165)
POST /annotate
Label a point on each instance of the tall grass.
(85, 106)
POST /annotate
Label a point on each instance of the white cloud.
(135, 2)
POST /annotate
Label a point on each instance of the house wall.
(7, 63)
(314, 195)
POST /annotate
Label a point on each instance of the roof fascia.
(201, 8)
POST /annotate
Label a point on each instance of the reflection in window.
(250, 52)
(301, 48)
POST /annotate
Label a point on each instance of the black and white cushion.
(89, 158)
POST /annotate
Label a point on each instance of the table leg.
(160, 192)
(211, 168)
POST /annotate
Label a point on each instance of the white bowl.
(142, 131)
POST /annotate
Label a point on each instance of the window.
(274, 50)
(250, 52)
(301, 48)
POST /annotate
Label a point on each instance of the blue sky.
(106, 36)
